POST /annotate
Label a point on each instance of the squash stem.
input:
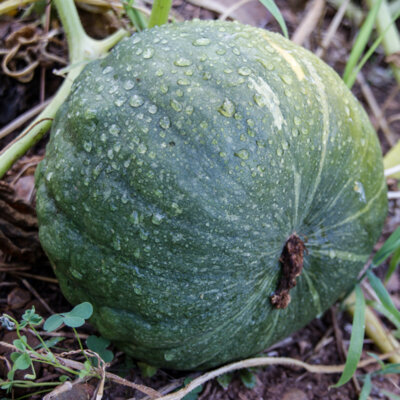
(82, 49)
(159, 12)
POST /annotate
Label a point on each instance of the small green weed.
(25, 355)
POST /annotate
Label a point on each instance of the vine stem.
(159, 12)
(82, 49)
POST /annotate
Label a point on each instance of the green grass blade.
(384, 296)
(368, 54)
(356, 339)
(361, 41)
(381, 309)
(390, 395)
(274, 10)
(366, 390)
(394, 262)
(159, 12)
(136, 17)
(391, 245)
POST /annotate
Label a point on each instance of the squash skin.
(176, 171)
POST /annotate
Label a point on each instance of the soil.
(27, 279)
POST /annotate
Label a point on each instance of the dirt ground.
(26, 277)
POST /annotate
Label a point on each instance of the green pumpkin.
(177, 170)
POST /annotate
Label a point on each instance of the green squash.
(177, 170)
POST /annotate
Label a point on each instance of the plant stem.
(82, 49)
(159, 12)
(391, 38)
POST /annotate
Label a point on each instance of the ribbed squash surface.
(176, 171)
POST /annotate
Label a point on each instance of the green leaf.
(248, 378)
(394, 262)
(86, 371)
(384, 296)
(274, 10)
(147, 370)
(83, 310)
(31, 317)
(51, 342)
(64, 378)
(14, 356)
(361, 41)
(73, 322)
(52, 323)
(391, 244)
(99, 345)
(224, 380)
(22, 362)
(366, 390)
(20, 344)
(356, 339)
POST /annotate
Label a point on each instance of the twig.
(33, 276)
(25, 117)
(333, 27)
(309, 23)
(227, 13)
(262, 362)
(393, 170)
(37, 295)
(373, 104)
(393, 195)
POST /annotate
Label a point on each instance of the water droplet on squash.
(137, 289)
(189, 110)
(128, 85)
(116, 244)
(142, 148)
(114, 130)
(297, 121)
(279, 152)
(152, 109)
(119, 102)
(136, 101)
(242, 154)
(183, 82)
(165, 123)
(110, 154)
(156, 219)
(259, 100)
(88, 146)
(169, 355)
(76, 274)
(107, 70)
(245, 71)
(287, 79)
(148, 53)
(227, 109)
(159, 72)
(163, 88)
(222, 154)
(134, 218)
(176, 105)
(182, 62)
(202, 41)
